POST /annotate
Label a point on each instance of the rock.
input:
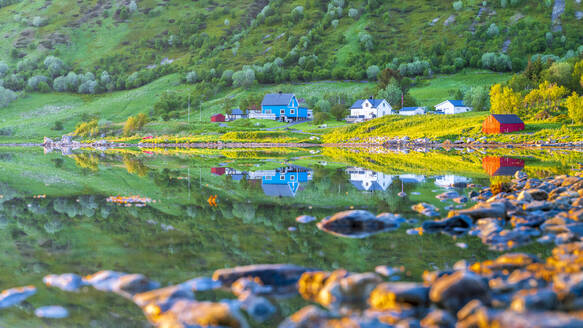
(538, 194)
(537, 300)
(426, 209)
(511, 319)
(356, 224)
(14, 296)
(274, 275)
(47, 141)
(524, 196)
(447, 195)
(520, 175)
(338, 288)
(52, 312)
(308, 317)
(453, 225)
(160, 300)
(452, 292)
(244, 286)
(131, 284)
(438, 319)
(483, 210)
(188, 313)
(258, 308)
(66, 139)
(393, 296)
(202, 284)
(103, 280)
(388, 271)
(305, 219)
(461, 199)
(68, 282)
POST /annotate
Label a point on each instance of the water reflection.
(281, 182)
(502, 166)
(368, 180)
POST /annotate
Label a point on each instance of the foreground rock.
(14, 296)
(51, 312)
(359, 224)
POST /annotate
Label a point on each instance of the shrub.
(458, 5)
(192, 77)
(133, 124)
(6, 97)
(321, 117)
(87, 129)
(496, 62)
(133, 6)
(297, 13)
(58, 126)
(244, 78)
(227, 76)
(574, 106)
(38, 21)
(339, 111)
(493, 30)
(366, 41)
(322, 105)
(372, 72)
(3, 69)
(353, 13)
(35, 83)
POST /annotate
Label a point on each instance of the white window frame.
(292, 111)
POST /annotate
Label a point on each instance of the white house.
(368, 109)
(451, 107)
(411, 111)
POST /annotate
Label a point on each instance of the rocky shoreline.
(512, 290)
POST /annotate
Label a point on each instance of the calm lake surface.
(173, 215)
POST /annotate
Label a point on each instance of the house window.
(268, 177)
(292, 177)
(282, 177)
(292, 111)
(268, 111)
(282, 111)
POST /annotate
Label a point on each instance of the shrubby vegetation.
(6, 96)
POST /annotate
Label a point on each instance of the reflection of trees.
(134, 165)
(88, 161)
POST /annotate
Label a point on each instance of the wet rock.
(307, 317)
(392, 296)
(511, 319)
(460, 200)
(188, 313)
(305, 219)
(438, 319)
(258, 308)
(452, 292)
(244, 286)
(202, 284)
(453, 225)
(68, 282)
(534, 300)
(483, 210)
(426, 209)
(387, 271)
(52, 312)
(131, 284)
(160, 300)
(103, 280)
(356, 224)
(537, 194)
(274, 275)
(14, 296)
(338, 288)
(447, 195)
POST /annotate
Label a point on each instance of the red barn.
(498, 123)
(218, 170)
(502, 166)
(218, 118)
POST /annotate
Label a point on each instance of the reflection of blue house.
(285, 106)
(285, 182)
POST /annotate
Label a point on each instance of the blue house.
(285, 106)
(285, 182)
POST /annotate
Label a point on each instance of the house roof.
(237, 111)
(277, 99)
(277, 190)
(410, 109)
(375, 103)
(507, 118)
(218, 115)
(375, 186)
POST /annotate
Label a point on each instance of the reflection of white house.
(412, 111)
(367, 180)
(411, 178)
(368, 109)
(451, 107)
(450, 180)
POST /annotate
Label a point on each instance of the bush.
(458, 5)
(35, 83)
(227, 76)
(493, 30)
(574, 106)
(339, 111)
(372, 72)
(297, 13)
(321, 117)
(353, 13)
(58, 126)
(192, 77)
(366, 41)
(87, 129)
(3, 69)
(244, 78)
(6, 97)
(322, 105)
(133, 124)
(496, 62)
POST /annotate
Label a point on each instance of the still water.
(173, 215)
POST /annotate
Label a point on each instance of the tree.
(134, 123)
(320, 118)
(87, 129)
(493, 30)
(133, 7)
(244, 78)
(192, 77)
(392, 93)
(574, 106)
(322, 105)
(6, 96)
(338, 111)
(546, 97)
(366, 41)
(504, 100)
(372, 72)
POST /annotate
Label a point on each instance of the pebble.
(52, 312)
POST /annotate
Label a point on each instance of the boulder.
(188, 313)
(246, 285)
(68, 282)
(103, 280)
(426, 209)
(51, 312)
(512, 319)
(356, 224)
(160, 300)
(453, 225)
(131, 284)
(274, 275)
(483, 210)
(201, 284)
(258, 308)
(305, 219)
(454, 291)
(14, 296)
(534, 300)
(438, 319)
(394, 296)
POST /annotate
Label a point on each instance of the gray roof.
(507, 118)
(237, 111)
(277, 190)
(277, 99)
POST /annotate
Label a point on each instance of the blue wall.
(299, 112)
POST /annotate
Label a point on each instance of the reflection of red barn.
(500, 166)
(218, 118)
(496, 123)
(218, 170)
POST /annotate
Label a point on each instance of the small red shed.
(218, 118)
(502, 123)
(218, 170)
(502, 166)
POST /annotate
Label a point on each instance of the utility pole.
(201, 109)
(189, 108)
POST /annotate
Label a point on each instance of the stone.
(387, 271)
(188, 313)
(248, 285)
(356, 224)
(426, 209)
(305, 219)
(537, 194)
(275, 275)
(512, 319)
(103, 280)
(68, 282)
(460, 200)
(454, 291)
(131, 284)
(258, 308)
(479, 211)
(51, 312)
(202, 284)
(395, 295)
(308, 317)
(438, 319)
(534, 300)
(15, 296)
(160, 300)
(447, 195)
(454, 225)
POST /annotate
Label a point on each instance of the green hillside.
(72, 61)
